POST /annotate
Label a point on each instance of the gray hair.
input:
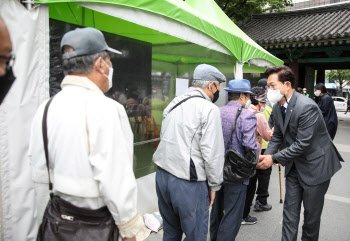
(203, 83)
(81, 64)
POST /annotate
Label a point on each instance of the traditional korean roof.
(327, 22)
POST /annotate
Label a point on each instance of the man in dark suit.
(327, 108)
(307, 152)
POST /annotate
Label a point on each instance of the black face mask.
(6, 82)
(215, 95)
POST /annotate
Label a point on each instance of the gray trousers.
(312, 197)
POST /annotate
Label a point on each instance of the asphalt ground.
(335, 223)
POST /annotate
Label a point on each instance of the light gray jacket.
(192, 144)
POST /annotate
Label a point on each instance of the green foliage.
(240, 10)
(340, 76)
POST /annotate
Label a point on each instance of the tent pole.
(238, 70)
(28, 4)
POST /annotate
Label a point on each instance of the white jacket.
(90, 146)
(192, 131)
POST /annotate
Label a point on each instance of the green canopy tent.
(171, 23)
(179, 35)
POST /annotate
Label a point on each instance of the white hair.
(203, 83)
(81, 64)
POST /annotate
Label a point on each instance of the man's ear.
(98, 65)
(289, 85)
(212, 84)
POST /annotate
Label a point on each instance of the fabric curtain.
(29, 32)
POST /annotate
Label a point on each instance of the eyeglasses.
(8, 60)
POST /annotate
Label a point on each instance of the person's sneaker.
(260, 207)
(249, 220)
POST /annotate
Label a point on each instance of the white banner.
(181, 86)
(29, 33)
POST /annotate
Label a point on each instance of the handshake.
(265, 161)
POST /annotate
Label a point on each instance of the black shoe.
(249, 220)
(260, 207)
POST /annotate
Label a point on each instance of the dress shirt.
(287, 102)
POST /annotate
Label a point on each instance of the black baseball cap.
(262, 83)
(85, 41)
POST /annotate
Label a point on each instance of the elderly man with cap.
(228, 208)
(190, 157)
(90, 142)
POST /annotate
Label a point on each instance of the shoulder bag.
(238, 168)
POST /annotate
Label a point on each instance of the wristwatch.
(274, 159)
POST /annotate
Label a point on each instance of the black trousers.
(348, 109)
(263, 179)
(312, 197)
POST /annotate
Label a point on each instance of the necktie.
(283, 110)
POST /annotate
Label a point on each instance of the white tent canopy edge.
(170, 27)
(157, 22)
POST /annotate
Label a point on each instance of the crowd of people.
(192, 154)
(81, 152)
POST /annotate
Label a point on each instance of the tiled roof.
(303, 25)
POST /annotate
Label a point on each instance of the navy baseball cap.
(85, 41)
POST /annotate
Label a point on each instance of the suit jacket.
(329, 113)
(304, 141)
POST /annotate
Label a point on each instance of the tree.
(240, 10)
(340, 76)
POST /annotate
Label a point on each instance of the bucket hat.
(239, 86)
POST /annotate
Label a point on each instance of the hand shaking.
(265, 161)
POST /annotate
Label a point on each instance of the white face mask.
(274, 96)
(262, 108)
(247, 104)
(317, 93)
(110, 75)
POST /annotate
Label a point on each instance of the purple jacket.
(244, 136)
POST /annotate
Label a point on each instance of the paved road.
(336, 213)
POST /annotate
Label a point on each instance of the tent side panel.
(29, 35)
